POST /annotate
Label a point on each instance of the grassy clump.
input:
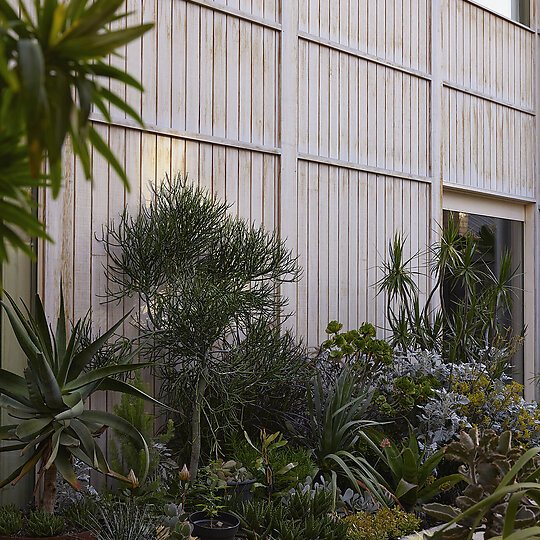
(10, 520)
(42, 525)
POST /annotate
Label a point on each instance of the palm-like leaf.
(52, 65)
(47, 404)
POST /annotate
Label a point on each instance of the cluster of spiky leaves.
(502, 493)
(306, 515)
(412, 477)
(46, 406)
(471, 298)
(52, 63)
(337, 420)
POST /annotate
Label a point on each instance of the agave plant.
(50, 423)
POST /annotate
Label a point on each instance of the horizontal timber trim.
(488, 193)
(500, 15)
(486, 97)
(254, 19)
(365, 56)
(363, 168)
(184, 135)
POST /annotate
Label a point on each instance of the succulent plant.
(46, 406)
(502, 491)
(227, 473)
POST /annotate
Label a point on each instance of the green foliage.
(40, 524)
(11, 520)
(127, 521)
(469, 321)
(51, 424)
(81, 513)
(412, 476)
(304, 516)
(406, 394)
(208, 284)
(358, 348)
(502, 493)
(337, 420)
(52, 65)
(246, 454)
(125, 454)
(386, 524)
(270, 445)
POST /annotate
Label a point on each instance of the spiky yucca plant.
(50, 424)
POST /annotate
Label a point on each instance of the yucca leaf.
(105, 70)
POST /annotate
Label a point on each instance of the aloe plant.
(46, 405)
(412, 475)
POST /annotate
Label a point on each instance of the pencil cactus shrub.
(208, 284)
(502, 492)
(50, 425)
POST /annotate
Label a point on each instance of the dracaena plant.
(48, 423)
(53, 70)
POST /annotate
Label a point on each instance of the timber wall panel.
(346, 219)
(395, 30)
(353, 110)
(487, 53)
(212, 71)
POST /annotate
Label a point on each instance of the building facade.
(336, 122)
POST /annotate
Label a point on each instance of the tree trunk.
(49, 489)
(196, 427)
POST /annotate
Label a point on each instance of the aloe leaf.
(122, 426)
(29, 428)
(102, 373)
(63, 464)
(115, 385)
(84, 357)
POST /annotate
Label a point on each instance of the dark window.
(497, 236)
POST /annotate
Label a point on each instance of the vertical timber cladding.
(364, 152)
(488, 101)
(338, 178)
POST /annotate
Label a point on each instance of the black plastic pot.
(242, 490)
(203, 530)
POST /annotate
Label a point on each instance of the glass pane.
(498, 236)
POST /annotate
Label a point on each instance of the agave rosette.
(46, 405)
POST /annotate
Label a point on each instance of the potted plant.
(49, 423)
(234, 476)
(211, 522)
